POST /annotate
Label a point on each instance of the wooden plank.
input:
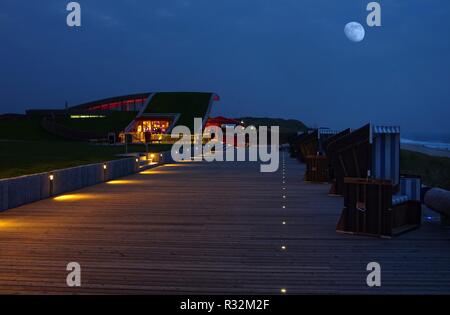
(209, 228)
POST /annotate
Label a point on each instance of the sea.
(431, 141)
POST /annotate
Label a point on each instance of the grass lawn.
(435, 171)
(19, 158)
(24, 128)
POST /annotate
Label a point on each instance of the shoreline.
(425, 150)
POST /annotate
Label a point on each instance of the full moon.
(354, 31)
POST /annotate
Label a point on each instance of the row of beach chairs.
(363, 166)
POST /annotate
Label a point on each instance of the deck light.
(284, 197)
(283, 291)
(4, 224)
(137, 160)
(284, 207)
(122, 182)
(105, 166)
(75, 197)
(284, 222)
(51, 177)
(283, 247)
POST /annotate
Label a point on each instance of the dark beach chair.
(297, 145)
(349, 157)
(294, 146)
(329, 153)
(317, 161)
(377, 199)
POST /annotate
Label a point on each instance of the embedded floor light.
(75, 197)
(283, 291)
(51, 177)
(284, 222)
(284, 207)
(122, 182)
(283, 247)
(105, 166)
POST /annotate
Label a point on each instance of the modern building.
(145, 117)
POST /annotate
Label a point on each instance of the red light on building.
(115, 105)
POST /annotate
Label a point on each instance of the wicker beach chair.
(377, 199)
(329, 153)
(317, 161)
(296, 145)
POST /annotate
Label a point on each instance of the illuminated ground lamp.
(51, 179)
(105, 172)
(137, 166)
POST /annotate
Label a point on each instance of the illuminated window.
(86, 116)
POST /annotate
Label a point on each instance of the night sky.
(277, 58)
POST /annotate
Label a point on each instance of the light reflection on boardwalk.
(209, 228)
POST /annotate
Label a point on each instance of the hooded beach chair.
(377, 199)
(296, 145)
(317, 162)
(329, 153)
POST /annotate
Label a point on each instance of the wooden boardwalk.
(209, 228)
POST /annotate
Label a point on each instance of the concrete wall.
(18, 191)
(22, 190)
(166, 158)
